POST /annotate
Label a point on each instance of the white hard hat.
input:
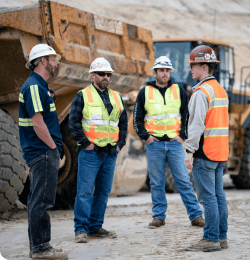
(163, 62)
(100, 64)
(41, 50)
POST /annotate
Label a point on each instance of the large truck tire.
(13, 170)
(67, 175)
(242, 181)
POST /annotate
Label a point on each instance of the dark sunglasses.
(192, 65)
(103, 74)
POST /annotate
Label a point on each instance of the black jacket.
(140, 112)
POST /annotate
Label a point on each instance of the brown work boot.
(49, 253)
(199, 222)
(223, 244)
(50, 248)
(101, 232)
(205, 246)
(81, 237)
(156, 223)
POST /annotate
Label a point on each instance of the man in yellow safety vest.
(98, 123)
(160, 120)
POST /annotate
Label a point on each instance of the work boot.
(101, 232)
(205, 246)
(156, 223)
(81, 237)
(223, 244)
(49, 253)
(50, 247)
(199, 222)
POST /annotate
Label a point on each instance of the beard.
(50, 69)
(162, 81)
(103, 85)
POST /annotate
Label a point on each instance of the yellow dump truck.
(79, 37)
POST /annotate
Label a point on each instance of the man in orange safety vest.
(207, 142)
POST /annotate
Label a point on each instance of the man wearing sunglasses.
(160, 119)
(98, 123)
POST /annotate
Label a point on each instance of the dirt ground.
(129, 217)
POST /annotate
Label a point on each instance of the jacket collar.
(202, 81)
(153, 83)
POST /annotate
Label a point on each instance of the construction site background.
(216, 19)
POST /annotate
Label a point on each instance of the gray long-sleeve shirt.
(197, 108)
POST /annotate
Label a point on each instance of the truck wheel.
(242, 181)
(170, 186)
(13, 170)
(67, 175)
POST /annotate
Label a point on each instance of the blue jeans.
(158, 154)
(43, 181)
(94, 184)
(208, 177)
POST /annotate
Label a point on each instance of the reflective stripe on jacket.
(216, 146)
(163, 118)
(98, 126)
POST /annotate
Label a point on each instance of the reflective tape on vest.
(99, 122)
(216, 132)
(219, 103)
(174, 115)
(156, 117)
(209, 91)
(159, 117)
(114, 124)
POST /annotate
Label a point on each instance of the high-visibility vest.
(98, 126)
(216, 146)
(160, 118)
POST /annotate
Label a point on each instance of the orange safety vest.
(216, 146)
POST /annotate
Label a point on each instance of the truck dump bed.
(79, 37)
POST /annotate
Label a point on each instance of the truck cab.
(178, 51)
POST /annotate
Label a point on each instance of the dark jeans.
(43, 181)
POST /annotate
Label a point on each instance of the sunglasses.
(192, 65)
(103, 74)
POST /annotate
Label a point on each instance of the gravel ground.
(129, 217)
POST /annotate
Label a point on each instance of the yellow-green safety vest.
(160, 118)
(98, 126)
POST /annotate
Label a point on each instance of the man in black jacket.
(98, 123)
(160, 119)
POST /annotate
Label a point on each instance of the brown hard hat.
(203, 54)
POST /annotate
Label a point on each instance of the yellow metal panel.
(27, 20)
